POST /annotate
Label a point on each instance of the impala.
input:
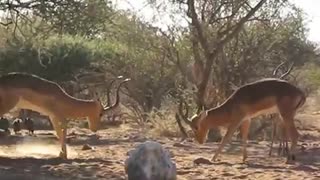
(28, 91)
(277, 126)
(265, 96)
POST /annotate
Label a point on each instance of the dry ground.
(25, 157)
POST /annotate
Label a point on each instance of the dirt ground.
(26, 157)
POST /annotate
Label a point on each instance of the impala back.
(264, 96)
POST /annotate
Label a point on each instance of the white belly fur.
(24, 104)
(273, 109)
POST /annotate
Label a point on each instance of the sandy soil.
(25, 157)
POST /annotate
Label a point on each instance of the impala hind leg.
(273, 135)
(283, 145)
(293, 134)
(291, 131)
(56, 124)
(63, 152)
(227, 137)
(60, 126)
(245, 127)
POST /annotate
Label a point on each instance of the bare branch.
(213, 15)
(196, 24)
(211, 56)
(204, 4)
(242, 21)
(6, 24)
(10, 5)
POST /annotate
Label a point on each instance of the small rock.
(202, 161)
(180, 145)
(150, 161)
(86, 147)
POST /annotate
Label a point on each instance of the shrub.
(57, 58)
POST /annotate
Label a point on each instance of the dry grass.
(163, 123)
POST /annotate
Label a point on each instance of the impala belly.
(24, 104)
(271, 110)
(264, 106)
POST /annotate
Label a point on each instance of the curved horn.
(286, 73)
(183, 131)
(185, 115)
(277, 68)
(109, 89)
(178, 116)
(117, 96)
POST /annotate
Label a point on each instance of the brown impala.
(27, 91)
(261, 97)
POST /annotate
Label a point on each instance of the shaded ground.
(24, 157)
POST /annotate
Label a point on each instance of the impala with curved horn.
(265, 96)
(28, 91)
(277, 126)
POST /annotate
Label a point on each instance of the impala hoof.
(244, 160)
(291, 159)
(244, 157)
(63, 156)
(214, 159)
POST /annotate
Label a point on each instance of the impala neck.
(218, 116)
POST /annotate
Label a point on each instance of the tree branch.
(196, 24)
(211, 56)
(6, 24)
(239, 25)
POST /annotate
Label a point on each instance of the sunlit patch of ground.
(25, 157)
(28, 146)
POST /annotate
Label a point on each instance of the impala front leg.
(60, 126)
(274, 132)
(245, 127)
(63, 152)
(231, 129)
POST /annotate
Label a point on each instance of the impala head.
(199, 129)
(94, 123)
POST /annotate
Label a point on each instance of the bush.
(57, 58)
